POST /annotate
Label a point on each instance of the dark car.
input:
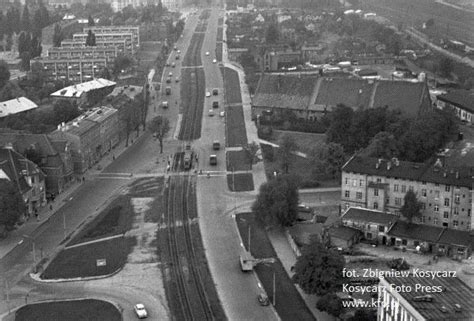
(263, 299)
(215, 92)
(215, 104)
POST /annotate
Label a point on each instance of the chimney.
(389, 165)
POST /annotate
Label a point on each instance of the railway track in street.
(193, 300)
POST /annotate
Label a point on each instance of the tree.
(251, 151)
(429, 23)
(4, 73)
(121, 63)
(90, 21)
(287, 146)
(446, 67)
(340, 124)
(318, 270)
(64, 111)
(277, 202)
(330, 303)
(25, 19)
(272, 34)
(160, 127)
(37, 23)
(90, 40)
(411, 208)
(364, 315)
(11, 203)
(383, 145)
(57, 35)
(327, 159)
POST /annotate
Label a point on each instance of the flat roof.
(79, 89)
(14, 106)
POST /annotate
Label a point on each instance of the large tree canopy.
(411, 208)
(11, 203)
(277, 201)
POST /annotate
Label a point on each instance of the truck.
(168, 90)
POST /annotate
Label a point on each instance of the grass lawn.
(81, 261)
(236, 134)
(305, 141)
(219, 51)
(231, 86)
(80, 310)
(219, 33)
(238, 161)
(289, 304)
(243, 182)
(116, 218)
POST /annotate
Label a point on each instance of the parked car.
(211, 113)
(214, 61)
(177, 79)
(168, 80)
(164, 104)
(179, 51)
(140, 311)
(215, 104)
(213, 159)
(173, 65)
(222, 113)
(208, 94)
(263, 299)
(177, 57)
(216, 145)
(170, 74)
(215, 92)
(207, 53)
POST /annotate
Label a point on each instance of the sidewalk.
(28, 228)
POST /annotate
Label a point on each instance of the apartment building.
(172, 5)
(445, 193)
(419, 298)
(119, 44)
(134, 30)
(75, 70)
(83, 52)
(109, 36)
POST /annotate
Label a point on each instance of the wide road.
(237, 291)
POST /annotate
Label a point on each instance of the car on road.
(167, 64)
(179, 51)
(164, 104)
(175, 48)
(211, 113)
(170, 74)
(215, 104)
(222, 113)
(173, 65)
(177, 57)
(177, 79)
(263, 299)
(208, 94)
(213, 159)
(214, 61)
(207, 53)
(215, 92)
(304, 208)
(140, 311)
(168, 80)
(216, 145)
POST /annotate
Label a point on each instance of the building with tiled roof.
(462, 101)
(27, 177)
(54, 158)
(91, 135)
(445, 193)
(419, 298)
(312, 96)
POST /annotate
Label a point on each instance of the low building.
(53, 158)
(342, 237)
(96, 52)
(87, 92)
(27, 177)
(76, 70)
(461, 101)
(16, 106)
(373, 224)
(118, 44)
(418, 298)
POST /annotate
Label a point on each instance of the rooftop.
(343, 232)
(461, 98)
(454, 291)
(420, 232)
(22, 142)
(79, 89)
(15, 106)
(370, 216)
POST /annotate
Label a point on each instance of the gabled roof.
(343, 232)
(420, 232)
(15, 106)
(75, 91)
(369, 216)
(349, 92)
(22, 142)
(292, 92)
(461, 98)
(303, 232)
(456, 237)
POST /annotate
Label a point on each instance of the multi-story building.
(91, 136)
(76, 70)
(421, 298)
(108, 36)
(172, 5)
(445, 193)
(87, 93)
(119, 44)
(86, 52)
(134, 30)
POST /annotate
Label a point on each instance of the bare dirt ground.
(421, 261)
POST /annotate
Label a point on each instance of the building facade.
(461, 101)
(119, 44)
(109, 36)
(134, 30)
(445, 193)
(108, 53)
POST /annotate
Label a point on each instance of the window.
(376, 192)
(446, 202)
(423, 219)
(359, 195)
(404, 189)
(468, 212)
(423, 206)
(347, 181)
(456, 211)
(435, 221)
(395, 188)
(347, 193)
(376, 205)
(445, 214)
(361, 182)
(436, 194)
(447, 188)
(387, 200)
(379, 180)
(436, 208)
(445, 224)
(455, 223)
(457, 198)
(404, 242)
(354, 182)
(423, 192)
(381, 228)
(398, 201)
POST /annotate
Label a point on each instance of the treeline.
(381, 132)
